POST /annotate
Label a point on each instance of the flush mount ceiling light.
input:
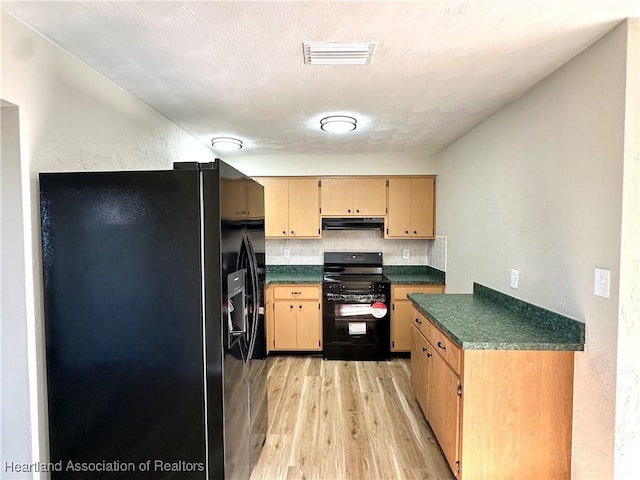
(226, 143)
(338, 53)
(338, 124)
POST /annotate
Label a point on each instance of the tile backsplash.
(311, 252)
(437, 253)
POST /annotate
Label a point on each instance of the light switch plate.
(286, 253)
(514, 278)
(405, 253)
(601, 282)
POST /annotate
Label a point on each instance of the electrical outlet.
(286, 252)
(601, 282)
(405, 253)
(514, 279)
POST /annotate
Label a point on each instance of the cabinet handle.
(296, 293)
(290, 306)
(415, 232)
(429, 355)
(291, 232)
(418, 320)
(357, 211)
(424, 349)
(284, 232)
(349, 211)
(440, 345)
(406, 231)
(299, 306)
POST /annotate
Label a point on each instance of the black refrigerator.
(154, 327)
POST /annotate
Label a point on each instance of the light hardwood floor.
(333, 420)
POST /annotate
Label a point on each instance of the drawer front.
(445, 347)
(423, 325)
(296, 292)
(400, 292)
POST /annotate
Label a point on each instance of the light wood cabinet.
(411, 208)
(292, 207)
(420, 353)
(241, 198)
(364, 197)
(297, 318)
(402, 313)
(443, 407)
(495, 413)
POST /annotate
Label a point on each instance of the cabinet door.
(420, 368)
(308, 326)
(399, 216)
(401, 320)
(443, 407)
(370, 196)
(285, 325)
(422, 207)
(304, 208)
(336, 196)
(276, 205)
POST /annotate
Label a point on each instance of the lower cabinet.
(294, 317)
(437, 388)
(402, 313)
(496, 413)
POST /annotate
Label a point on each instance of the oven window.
(357, 319)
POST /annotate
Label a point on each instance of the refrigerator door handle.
(253, 274)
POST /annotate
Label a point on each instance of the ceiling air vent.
(338, 53)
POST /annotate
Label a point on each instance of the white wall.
(537, 187)
(72, 118)
(398, 163)
(627, 436)
(15, 421)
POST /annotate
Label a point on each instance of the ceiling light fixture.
(338, 124)
(226, 143)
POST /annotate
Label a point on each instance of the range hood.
(351, 223)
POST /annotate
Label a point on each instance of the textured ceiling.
(236, 68)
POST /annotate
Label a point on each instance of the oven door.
(355, 317)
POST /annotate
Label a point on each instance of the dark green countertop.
(413, 275)
(296, 274)
(490, 320)
(397, 274)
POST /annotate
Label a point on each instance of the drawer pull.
(440, 345)
(424, 349)
(418, 320)
(296, 293)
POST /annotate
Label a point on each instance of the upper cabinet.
(291, 207)
(294, 205)
(364, 197)
(240, 198)
(411, 212)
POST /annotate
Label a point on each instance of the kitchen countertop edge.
(466, 342)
